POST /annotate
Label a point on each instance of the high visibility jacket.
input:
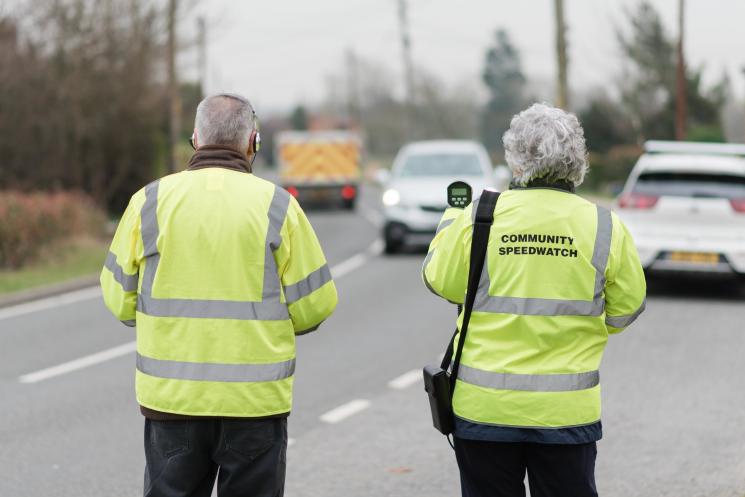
(219, 270)
(560, 275)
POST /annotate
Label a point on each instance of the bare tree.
(82, 94)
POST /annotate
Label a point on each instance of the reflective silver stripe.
(624, 321)
(212, 309)
(602, 249)
(555, 307)
(444, 224)
(206, 371)
(541, 307)
(424, 274)
(150, 232)
(305, 287)
(529, 382)
(127, 281)
(276, 214)
(129, 322)
(474, 207)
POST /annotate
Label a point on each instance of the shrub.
(612, 167)
(30, 221)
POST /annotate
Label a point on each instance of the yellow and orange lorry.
(320, 166)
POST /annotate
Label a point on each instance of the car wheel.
(394, 235)
(392, 246)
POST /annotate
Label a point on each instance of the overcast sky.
(280, 52)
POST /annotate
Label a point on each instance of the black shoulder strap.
(482, 224)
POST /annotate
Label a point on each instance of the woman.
(560, 275)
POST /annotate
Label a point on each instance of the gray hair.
(225, 119)
(545, 142)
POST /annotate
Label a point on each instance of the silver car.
(415, 193)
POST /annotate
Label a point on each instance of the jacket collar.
(219, 156)
(561, 185)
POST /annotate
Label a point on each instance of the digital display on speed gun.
(459, 194)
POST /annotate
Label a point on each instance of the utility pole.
(681, 109)
(174, 97)
(202, 54)
(354, 106)
(562, 87)
(407, 64)
(743, 123)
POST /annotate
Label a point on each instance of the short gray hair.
(545, 142)
(225, 119)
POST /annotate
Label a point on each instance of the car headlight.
(391, 197)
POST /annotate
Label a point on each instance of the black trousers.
(183, 458)
(497, 469)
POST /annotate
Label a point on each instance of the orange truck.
(320, 166)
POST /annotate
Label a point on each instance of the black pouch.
(438, 382)
(437, 386)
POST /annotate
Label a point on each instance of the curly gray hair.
(548, 143)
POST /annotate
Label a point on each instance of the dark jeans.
(248, 457)
(497, 469)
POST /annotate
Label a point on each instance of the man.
(560, 275)
(218, 270)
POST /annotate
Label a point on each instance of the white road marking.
(345, 410)
(345, 267)
(77, 364)
(357, 260)
(406, 380)
(376, 248)
(51, 302)
(373, 217)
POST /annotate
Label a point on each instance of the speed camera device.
(459, 194)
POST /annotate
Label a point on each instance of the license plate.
(318, 194)
(694, 257)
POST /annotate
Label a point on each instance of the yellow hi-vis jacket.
(560, 275)
(220, 270)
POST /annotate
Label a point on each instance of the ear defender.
(255, 138)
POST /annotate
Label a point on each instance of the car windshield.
(691, 185)
(441, 164)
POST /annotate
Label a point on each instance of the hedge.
(31, 221)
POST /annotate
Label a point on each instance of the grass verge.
(62, 262)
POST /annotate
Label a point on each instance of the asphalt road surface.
(673, 389)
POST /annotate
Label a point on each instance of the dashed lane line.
(373, 217)
(77, 364)
(406, 380)
(345, 411)
(357, 261)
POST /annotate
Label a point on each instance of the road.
(674, 408)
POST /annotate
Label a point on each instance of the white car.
(415, 193)
(684, 204)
